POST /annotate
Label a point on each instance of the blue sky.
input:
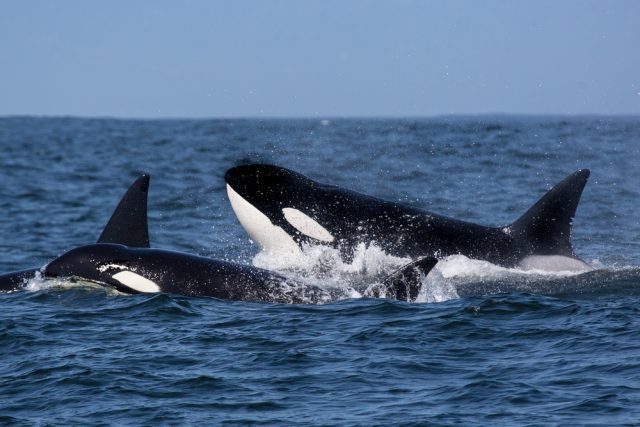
(318, 58)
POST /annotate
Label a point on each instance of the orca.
(282, 210)
(135, 270)
(127, 225)
(142, 270)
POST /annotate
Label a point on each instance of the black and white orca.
(141, 270)
(127, 225)
(281, 209)
(136, 270)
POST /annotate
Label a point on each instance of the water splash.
(325, 266)
(453, 277)
(461, 267)
(40, 283)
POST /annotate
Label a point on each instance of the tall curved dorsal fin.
(128, 224)
(545, 229)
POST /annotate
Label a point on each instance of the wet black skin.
(353, 218)
(184, 274)
(181, 273)
(16, 280)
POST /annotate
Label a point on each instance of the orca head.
(276, 206)
(108, 263)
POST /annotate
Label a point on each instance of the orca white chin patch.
(136, 282)
(306, 225)
(553, 263)
(259, 227)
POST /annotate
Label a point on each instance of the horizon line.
(327, 117)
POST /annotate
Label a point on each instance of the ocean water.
(484, 345)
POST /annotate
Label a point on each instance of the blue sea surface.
(515, 349)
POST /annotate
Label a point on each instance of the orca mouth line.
(260, 228)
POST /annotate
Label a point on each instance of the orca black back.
(272, 202)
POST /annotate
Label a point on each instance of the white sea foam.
(39, 283)
(461, 267)
(435, 288)
(324, 266)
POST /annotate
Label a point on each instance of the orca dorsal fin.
(128, 224)
(545, 229)
(404, 283)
